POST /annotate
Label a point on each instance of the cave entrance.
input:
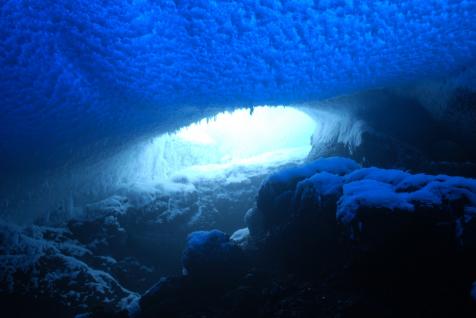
(200, 177)
(211, 170)
(229, 145)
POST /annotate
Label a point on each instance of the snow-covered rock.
(47, 262)
(241, 237)
(370, 194)
(369, 204)
(277, 192)
(112, 206)
(211, 254)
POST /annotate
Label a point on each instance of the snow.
(415, 181)
(130, 304)
(202, 247)
(112, 206)
(448, 189)
(361, 194)
(53, 267)
(391, 176)
(334, 165)
(210, 253)
(241, 237)
(322, 183)
(369, 194)
(197, 240)
(395, 189)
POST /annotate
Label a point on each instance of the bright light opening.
(264, 137)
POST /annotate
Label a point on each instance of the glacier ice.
(96, 73)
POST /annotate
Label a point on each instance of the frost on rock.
(317, 187)
(48, 262)
(254, 222)
(332, 196)
(211, 254)
(276, 193)
(241, 237)
(112, 206)
(435, 199)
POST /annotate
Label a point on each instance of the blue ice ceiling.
(77, 72)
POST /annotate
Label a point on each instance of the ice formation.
(86, 71)
(265, 136)
(92, 98)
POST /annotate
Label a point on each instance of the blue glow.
(79, 72)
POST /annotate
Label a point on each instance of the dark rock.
(210, 256)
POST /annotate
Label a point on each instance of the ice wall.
(77, 74)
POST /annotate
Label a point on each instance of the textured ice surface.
(117, 69)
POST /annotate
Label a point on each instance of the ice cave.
(255, 158)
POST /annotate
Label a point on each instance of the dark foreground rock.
(331, 239)
(100, 261)
(45, 271)
(326, 239)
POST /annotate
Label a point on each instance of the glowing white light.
(267, 136)
(242, 134)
